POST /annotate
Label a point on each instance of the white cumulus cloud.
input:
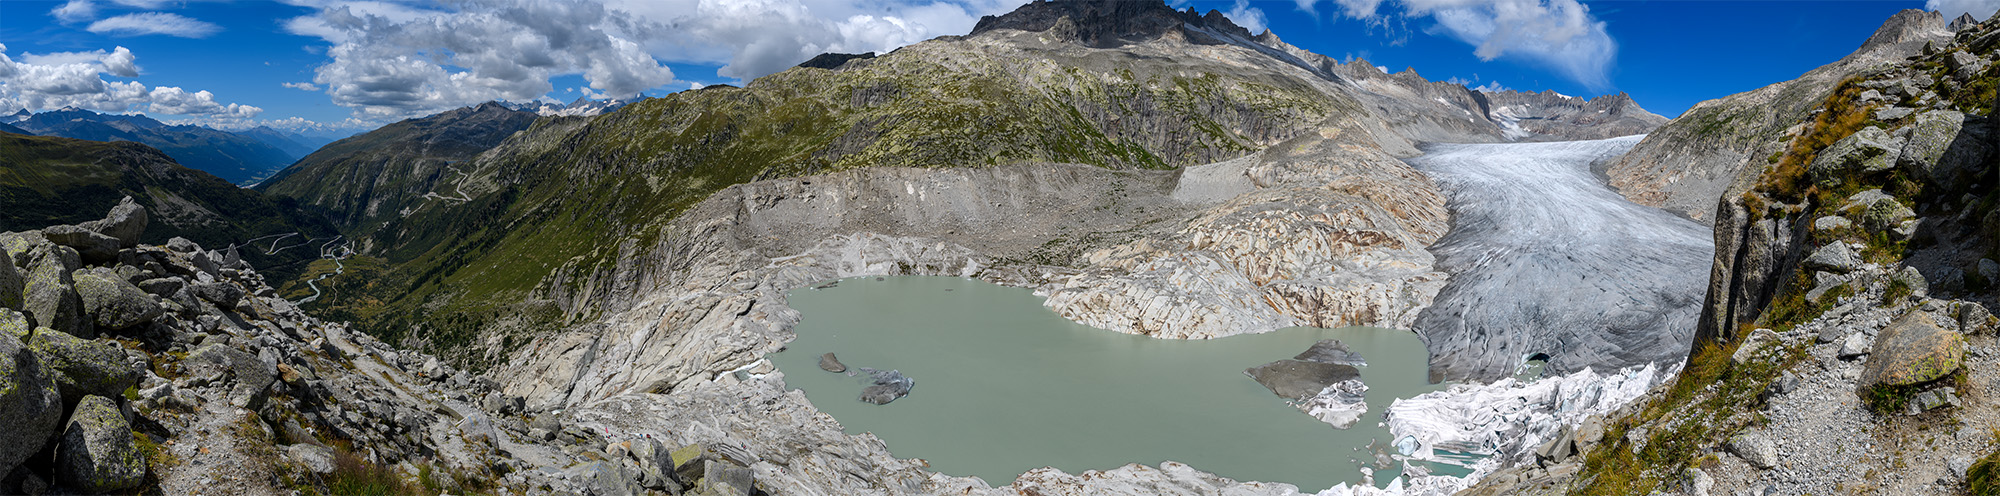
(75, 11)
(398, 60)
(145, 23)
(1980, 9)
(300, 86)
(1250, 18)
(76, 79)
(1559, 34)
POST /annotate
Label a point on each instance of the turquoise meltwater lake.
(1004, 385)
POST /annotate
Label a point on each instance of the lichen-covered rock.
(1886, 213)
(30, 406)
(49, 297)
(125, 223)
(1865, 151)
(84, 367)
(11, 284)
(1913, 350)
(17, 245)
(96, 454)
(93, 247)
(114, 304)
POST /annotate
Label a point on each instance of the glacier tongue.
(1545, 259)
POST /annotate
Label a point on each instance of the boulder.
(30, 404)
(253, 381)
(1913, 278)
(721, 478)
(1866, 151)
(1754, 344)
(114, 304)
(1855, 345)
(96, 454)
(829, 363)
(93, 247)
(1836, 257)
(1757, 450)
(84, 367)
(1936, 153)
(1888, 114)
(126, 222)
(1913, 350)
(1885, 214)
(1989, 270)
(1973, 318)
(315, 458)
(223, 295)
(1299, 379)
(49, 297)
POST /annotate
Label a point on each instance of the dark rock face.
(1110, 23)
(834, 60)
(30, 405)
(1299, 379)
(1753, 260)
(96, 454)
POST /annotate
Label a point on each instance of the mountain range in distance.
(243, 157)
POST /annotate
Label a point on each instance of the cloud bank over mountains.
(398, 60)
(76, 79)
(388, 60)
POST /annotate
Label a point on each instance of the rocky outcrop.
(96, 454)
(1718, 148)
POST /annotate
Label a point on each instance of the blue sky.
(355, 64)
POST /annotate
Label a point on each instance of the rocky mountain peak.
(1961, 22)
(1110, 23)
(1906, 32)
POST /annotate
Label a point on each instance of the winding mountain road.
(1545, 259)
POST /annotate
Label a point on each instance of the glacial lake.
(1004, 386)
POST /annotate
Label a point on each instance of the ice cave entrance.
(1003, 385)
